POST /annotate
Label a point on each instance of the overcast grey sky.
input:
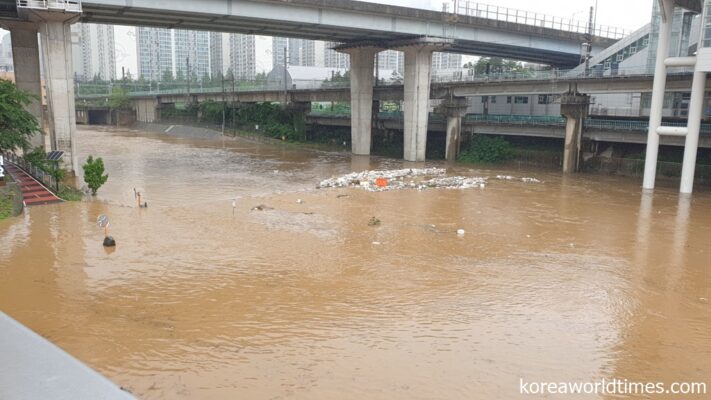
(628, 14)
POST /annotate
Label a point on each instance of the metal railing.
(473, 9)
(47, 180)
(64, 5)
(90, 90)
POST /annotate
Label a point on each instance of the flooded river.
(572, 279)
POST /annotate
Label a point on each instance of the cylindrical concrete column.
(362, 79)
(418, 71)
(26, 62)
(574, 107)
(696, 105)
(59, 82)
(454, 137)
(658, 90)
(454, 108)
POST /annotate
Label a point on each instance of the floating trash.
(460, 232)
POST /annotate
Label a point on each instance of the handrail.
(38, 174)
(65, 5)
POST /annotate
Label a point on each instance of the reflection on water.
(573, 279)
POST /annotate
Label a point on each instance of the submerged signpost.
(103, 222)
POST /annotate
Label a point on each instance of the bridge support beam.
(26, 62)
(454, 109)
(59, 82)
(362, 79)
(418, 72)
(574, 107)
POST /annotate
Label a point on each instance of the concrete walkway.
(33, 192)
(31, 368)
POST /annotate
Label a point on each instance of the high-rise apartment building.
(242, 57)
(192, 53)
(443, 61)
(93, 50)
(154, 52)
(217, 54)
(334, 59)
(300, 52)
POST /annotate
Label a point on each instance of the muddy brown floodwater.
(573, 279)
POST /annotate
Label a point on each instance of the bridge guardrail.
(64, 5)
(474, 9)
(136, 88)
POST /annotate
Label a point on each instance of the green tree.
(17, 125)
(167, 76)
(94, 174)
(119, 98)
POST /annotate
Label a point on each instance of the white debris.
(460, 232)
(376, 243)
(513, 178)
(299, 201)
(420, 179)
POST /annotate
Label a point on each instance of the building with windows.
(242, 56)
(154, 53)
(334, 59)
(192, 53)
(93, 51)
(299, 52)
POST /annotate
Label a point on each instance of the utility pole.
(187, 72)
(223, 103)
(286, 74)
(589, 38)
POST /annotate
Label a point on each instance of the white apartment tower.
(94, 52)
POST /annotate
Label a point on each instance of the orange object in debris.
(381, 182)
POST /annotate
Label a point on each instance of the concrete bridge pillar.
(454, 109)
(362, 79)
(26, 62)
(418, 73)
(574, 107)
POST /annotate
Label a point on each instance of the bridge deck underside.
(339, 23)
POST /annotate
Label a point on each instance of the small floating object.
(482, 186)
(299, 201)
(377, 243)
(381, 182)
(460, 232)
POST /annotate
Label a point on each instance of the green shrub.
(486, 149)
(94, 174)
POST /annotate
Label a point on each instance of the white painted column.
(418, 71)
(26, 62)
(362, 79)
(658, 90)
(696, 106)
(56, 41)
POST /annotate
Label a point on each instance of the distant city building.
(279, 50)
(192, 53)
(154, 52)
(93, 51)
(334, 59)
(446, 61)
(6, 53)
(242, 57)
(300, 52)
(390, 60)
(217, 54)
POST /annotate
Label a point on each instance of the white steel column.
(691, 146)
(658, 90)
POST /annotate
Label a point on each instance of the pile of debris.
(414, 178)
